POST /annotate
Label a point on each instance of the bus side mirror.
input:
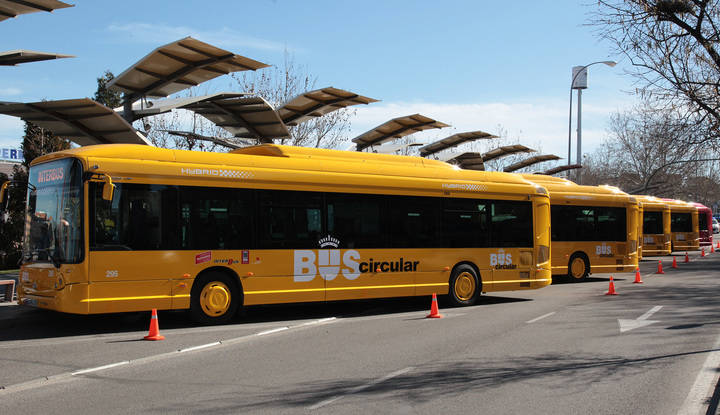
(108, 188)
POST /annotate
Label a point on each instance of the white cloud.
(533, 124)
(222, 37)
(10, 91)
(11, 131)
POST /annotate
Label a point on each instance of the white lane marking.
(698, 398)
(362, 387)
(642, 321)
(95, 369)
(540, 318)
(202, 346)
(46, 380)
(262, 333)
(650, 312)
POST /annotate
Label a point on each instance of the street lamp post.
(577, 71)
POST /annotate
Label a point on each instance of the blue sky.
(471, 64)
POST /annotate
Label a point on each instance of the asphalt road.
(567, 348)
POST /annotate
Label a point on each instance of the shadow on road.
(19, 323)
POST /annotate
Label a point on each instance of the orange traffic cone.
(660, 270)
(154, 333)
(702, 252)
(611, 290)
(687, 258)
(638, 279)
(674, 264)
(434, 308)
(712, 248)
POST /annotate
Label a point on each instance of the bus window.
(356, 220)
(465, 223)
(216, 218)
(140, 217)
(652, 223)
(290, 219)
(511, 224)
(681, 222)
(414, 222)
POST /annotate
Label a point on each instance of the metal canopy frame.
(18, 56)
(82, 121)
(469, 160)
(14, 8)
(244, 117)
(396, 128)
(317, 103)
(503, 151)
(215, 140)
(530, 161)
(177, 66)
(559, 169)
(146, 108)
(453, 141)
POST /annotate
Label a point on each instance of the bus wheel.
(214, 298)
(578, 267)
(464, 285)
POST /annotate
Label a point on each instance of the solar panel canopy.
(16, 57)
(317, 103)
(453, 141)
(245, 117)
(530, 161)
(14, 8)
(396, 128)
(177, 66)
(559, 169)
(82, 121)
(470, 160)
(505, 151)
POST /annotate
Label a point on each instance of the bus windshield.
(53, 221)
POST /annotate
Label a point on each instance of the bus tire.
(464, 286)
(214, 298)
(578, 267)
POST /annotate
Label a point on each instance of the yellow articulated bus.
(115, 228)
(594, 229)
(684, 225)
(655, 226)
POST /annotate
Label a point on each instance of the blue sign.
(11, 154)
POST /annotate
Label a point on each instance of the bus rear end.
(705, 230)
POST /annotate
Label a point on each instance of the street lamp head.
(609, 63)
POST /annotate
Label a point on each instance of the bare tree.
(278, 85)
(673, 46)
(647, 152)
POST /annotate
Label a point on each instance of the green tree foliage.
(105, 96)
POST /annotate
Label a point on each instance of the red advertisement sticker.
(203, 257)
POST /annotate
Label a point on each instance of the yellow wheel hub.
(464, 286)
(577, 268)
(215, 299)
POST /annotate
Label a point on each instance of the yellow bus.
(594, 229)
(684, 225)
(655, 226)
(116, 228)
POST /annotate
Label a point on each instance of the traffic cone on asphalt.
(702, 252)
(660, 270)
(611, 289)
(154, 333)
(434, 313)
(638, 279)
(674, 264)
(718, 245)
(687, 258)
(712, 248)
